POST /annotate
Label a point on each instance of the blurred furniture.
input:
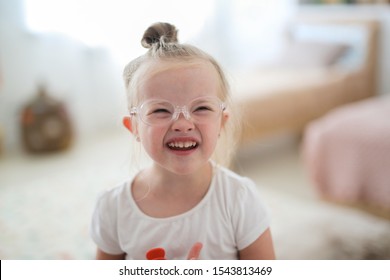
(326, 63)
(347, 154)
(45, 124)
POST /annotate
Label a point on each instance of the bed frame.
(290, 110)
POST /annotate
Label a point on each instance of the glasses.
(158, 112)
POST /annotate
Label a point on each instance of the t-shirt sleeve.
(251, 216)
(103, 229)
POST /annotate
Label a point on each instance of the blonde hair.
(161, 41)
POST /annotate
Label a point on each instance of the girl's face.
(182, 146)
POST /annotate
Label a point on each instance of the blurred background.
(310, 78)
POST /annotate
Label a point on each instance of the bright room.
(308, 80)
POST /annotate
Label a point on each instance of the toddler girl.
(184, 202)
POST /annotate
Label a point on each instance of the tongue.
(182, 149)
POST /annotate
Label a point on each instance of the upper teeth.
(186, 144)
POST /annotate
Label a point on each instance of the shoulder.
(234, 190)
(106, 218)
(239, 191)
(230, 181)
(112, 197)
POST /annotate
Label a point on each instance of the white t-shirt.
(229, 218)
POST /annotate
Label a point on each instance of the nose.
(182, 120)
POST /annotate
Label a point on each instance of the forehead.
(172, 79)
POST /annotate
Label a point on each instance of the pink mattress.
(347, 153)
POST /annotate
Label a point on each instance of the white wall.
(86, 79)
(244, 34)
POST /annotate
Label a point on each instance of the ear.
(128, 123)
(225, 118)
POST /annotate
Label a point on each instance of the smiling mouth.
(182, 146)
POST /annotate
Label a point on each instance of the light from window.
(116, 24)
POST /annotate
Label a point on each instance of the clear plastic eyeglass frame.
(160, 112)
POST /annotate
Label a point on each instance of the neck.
(164, 181)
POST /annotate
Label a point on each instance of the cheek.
(211, 132)
(151, 136)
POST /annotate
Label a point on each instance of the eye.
(203, 108)
(160, 111)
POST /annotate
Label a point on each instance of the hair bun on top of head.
(159, 33)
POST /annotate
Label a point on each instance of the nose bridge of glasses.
(181, 110)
